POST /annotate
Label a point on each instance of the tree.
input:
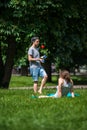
(73, 44)
(55, 22)
(10, 35)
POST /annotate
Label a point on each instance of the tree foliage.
(61, 26)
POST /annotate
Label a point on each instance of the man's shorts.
(37, 72)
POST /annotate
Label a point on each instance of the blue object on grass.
(50, 94)
(76, 94)
(33, 96)
(70, 95)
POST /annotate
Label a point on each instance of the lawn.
(18, 110)
(26, 81)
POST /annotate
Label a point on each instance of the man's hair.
(33, 39)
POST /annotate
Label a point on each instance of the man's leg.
(43, 82)
(35, 78)
(35, 86)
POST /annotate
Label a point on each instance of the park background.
(62, 28)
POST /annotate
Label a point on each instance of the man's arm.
(30, 58)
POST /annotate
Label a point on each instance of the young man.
(36, 69)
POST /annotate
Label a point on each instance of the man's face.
(36, 42)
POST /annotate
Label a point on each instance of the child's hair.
(65, 75)
(33, 39)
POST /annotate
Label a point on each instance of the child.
(65, 85)
(64, 88)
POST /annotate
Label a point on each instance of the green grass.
(19, 111)
(21, 81)
(26, 81)
(80, 79)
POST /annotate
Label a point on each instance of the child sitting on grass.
(65, 85)
(64, 88)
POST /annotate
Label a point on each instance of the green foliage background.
(61, 26)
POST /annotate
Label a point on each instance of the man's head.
(35, 41)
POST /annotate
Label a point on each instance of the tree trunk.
(24, 71)
(9, 63)
(47, 67)
(1, 67)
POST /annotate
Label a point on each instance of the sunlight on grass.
(21, 81)
(26, 81)
(19, 111)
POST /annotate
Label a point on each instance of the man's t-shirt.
(35, 54)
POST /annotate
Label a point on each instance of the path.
(49, 87)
